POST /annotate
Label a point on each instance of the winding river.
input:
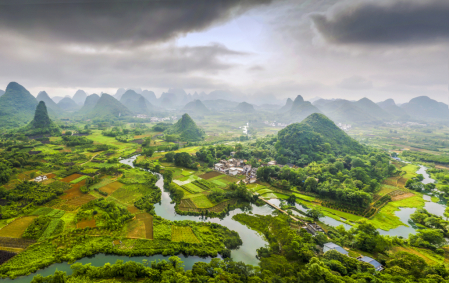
(251, 239)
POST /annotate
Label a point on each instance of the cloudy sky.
(317, 48)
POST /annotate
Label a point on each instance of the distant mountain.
(89, 104)
(136, 102)
(168, 100)
(287, 106)
(51, 106)
(2, 92)
(352, 112)
(196, 108)
(220, 105)
(119, 93)
(56, 99)
(186, 129)
(425, 108)
(308, 139)
(17, 106)
(108, 106)
(245, 107)
(150, 96)
(301, 109)
(41, 124)
(79, 97)
(67, 104)
(390, 106)
(373, 109)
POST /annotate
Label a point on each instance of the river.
(251, 239)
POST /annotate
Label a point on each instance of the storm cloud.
(115, 22)
(384, 22)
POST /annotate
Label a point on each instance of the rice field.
(128, 194)
(183, 234)
(191, 188)
(269, 195)
(16, 228)
(136, 229)
(255, 187)
(264, 191)
(210, 175)
(79, 201)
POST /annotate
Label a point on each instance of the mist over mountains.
(17, 106)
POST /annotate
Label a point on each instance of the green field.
(202, 201)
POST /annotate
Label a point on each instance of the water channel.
(251, 239)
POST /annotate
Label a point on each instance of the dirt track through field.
(403, 196)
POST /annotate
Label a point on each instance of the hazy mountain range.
(17, 106)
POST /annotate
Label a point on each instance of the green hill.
(108, 106)
(149, 95)
(196, 107)
(300, 109)
(245, 107)
(89, 104)
(425, 108)
(67, 104)
(17, 106)
(2, 92)
(41, 124)
(52, 107)
(390, 106)
(136, 102)
(314, 136)
(186, 129)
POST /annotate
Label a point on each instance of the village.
(155, 119)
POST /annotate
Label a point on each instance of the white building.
(233, 171)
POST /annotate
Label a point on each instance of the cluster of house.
(344, 127)
(367, 259)
(235, 166)
(40, 178)
(274, 124)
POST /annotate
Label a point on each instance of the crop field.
(111, 188)
(162, 232)
(79, 201)
(186, 173)
(191, 188)
(16, 228)
(264, 191)
(210, 175)
(130, 193)
(136, 229)
(132, 209)
(305, 197)
(86, 223)
(187, 205)
(72, 193)
(202, 202)
(19, 243)
(255, 187)
(77, 180)
(103, 182)
(70, 178)
(134, 176)
(269, 195)
(386, 189)
(183, 234)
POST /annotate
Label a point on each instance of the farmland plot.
(183, 234)
(16, 228)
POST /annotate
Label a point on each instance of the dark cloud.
(125, 22)
(385, 21)
(54, 66)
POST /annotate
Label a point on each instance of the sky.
(352, 49)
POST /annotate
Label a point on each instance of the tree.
(315, 213)
(310, 184)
